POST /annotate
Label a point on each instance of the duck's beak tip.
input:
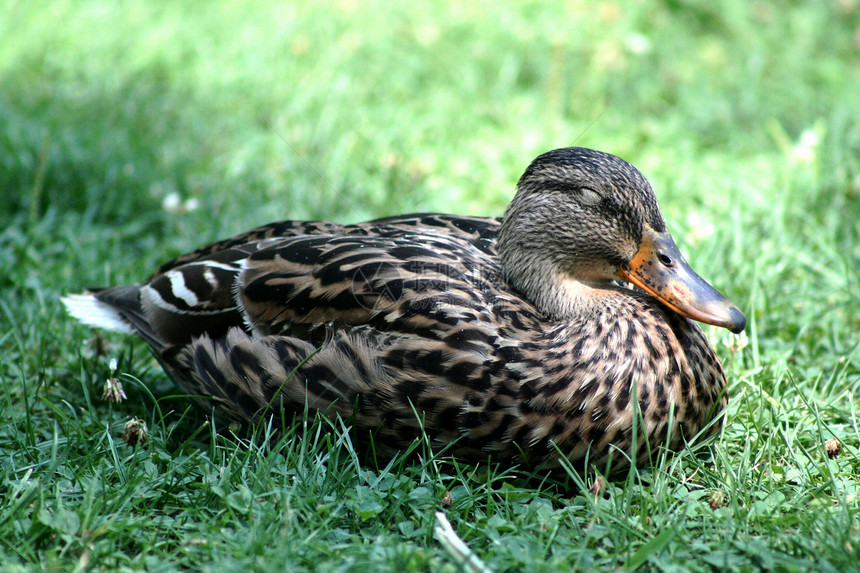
(737, 320)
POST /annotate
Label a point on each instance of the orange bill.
(658, 269)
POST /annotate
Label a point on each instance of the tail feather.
(91, 311)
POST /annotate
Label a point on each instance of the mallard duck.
(518, 340)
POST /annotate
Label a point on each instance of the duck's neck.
(556, 294)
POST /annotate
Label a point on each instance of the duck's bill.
(658, 269)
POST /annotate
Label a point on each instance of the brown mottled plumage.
(503, 339)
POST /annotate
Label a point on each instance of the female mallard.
(501, 339)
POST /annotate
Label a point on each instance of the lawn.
(131, 132)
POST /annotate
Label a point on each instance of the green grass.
(743, 115)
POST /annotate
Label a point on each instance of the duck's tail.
(87, 308)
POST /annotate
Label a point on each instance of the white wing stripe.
(179, 290)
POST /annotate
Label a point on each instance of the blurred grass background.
(744, 115)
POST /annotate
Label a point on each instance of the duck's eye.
(665, 259)
(588, 196)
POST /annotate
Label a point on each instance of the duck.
(564, 332)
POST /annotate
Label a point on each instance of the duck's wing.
(481, 231)
(407, 282)
(406, 272)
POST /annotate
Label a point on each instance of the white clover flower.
(113, 391)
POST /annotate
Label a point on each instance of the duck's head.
(581, 219)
